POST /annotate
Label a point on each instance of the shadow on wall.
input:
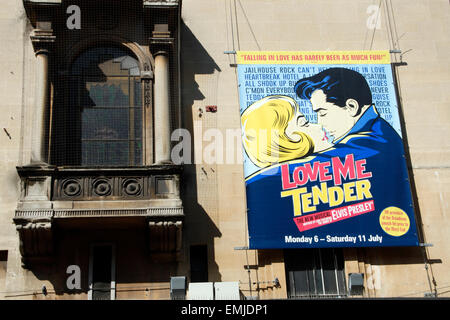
(195, 60)
(398, 256)
(199, 228)
(138, 275)
(67, 252)
(416, 254)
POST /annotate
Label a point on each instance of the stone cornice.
(161, 3)
(42, 2)
(42, 40)
(161, 41)
(37, 215)
(49, 170)
(36, 228)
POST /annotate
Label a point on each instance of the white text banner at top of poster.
(313, 57)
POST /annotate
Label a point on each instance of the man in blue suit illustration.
(343, 102)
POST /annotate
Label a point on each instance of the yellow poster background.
(313, 57)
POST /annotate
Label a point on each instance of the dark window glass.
(3, 262)
(101, 273)
(199, 263)
(329, 271)
(4, 255)
(315, 272)
(102, 117)
(318, 276)
(340, 275)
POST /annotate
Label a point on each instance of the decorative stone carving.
(102, 187)
(36, 238)
(35, 234)
(165, 236)
(36, 183)
(48, 192)
(156, 212)
(115, 187)
(71, 188)
(146, 76)
(132, 186)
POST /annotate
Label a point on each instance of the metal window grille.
(98, 119)
(315, 273)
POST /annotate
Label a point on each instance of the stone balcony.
(92, 197)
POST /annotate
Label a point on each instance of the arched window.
(103, 121)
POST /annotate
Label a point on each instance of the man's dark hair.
(338, 84)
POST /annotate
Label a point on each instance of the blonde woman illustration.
(274, 130)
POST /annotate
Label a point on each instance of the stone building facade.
(74, 204)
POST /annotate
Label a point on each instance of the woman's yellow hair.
(264, 137)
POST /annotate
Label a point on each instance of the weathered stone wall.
(420, 30)
(214, 193)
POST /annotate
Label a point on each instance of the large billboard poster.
(324, 160)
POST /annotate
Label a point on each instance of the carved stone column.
(162, 109)
(42, 39)
(161, 43)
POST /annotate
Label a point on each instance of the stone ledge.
(35, 215)
(161, 3)
(36, 229)
(98, 213)
(45, 170)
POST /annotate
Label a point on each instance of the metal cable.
(375, 28)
